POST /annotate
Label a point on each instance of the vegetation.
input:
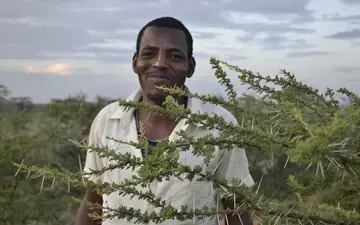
(40, 136)
(302, 145)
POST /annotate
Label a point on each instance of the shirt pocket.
(117, 177)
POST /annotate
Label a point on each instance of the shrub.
(313, 136)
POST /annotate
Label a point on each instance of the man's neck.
(148, 117)
(157, 127)
(156, 119)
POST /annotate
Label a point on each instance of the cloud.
(275, 42)
(351, 2)
(202, 55)
(56, 69)
(308, 53)
(204, 35)
(235, 57)
(206, 56)
(352, 19)
(97, 38)
(347, 69)
(349, 74)
(204, 12)
(88, 14)
(23, 41)
(106, 31)
(44, 86)
(345, 35)
(355, 19)
(281, 43)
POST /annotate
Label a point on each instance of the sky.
(55, 49)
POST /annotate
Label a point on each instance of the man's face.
(162, 60)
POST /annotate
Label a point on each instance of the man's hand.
(255, 220)
(234, 220)
(82, 217)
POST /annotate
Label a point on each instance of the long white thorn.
(194, 216)
(234, 200)
(277, 220)
(52, 184)
(257, 190)
(18, 170)
(317, 169)
(218, 164)
(352, 170)
(287, 161)
(217, 209)
(310, 208)
(273, 217)
(257, 204)
(322, 170)
(42, 181)
(308, 166)
(277, 132)
(28, 175)
(272, 208)
(81, 171)
(240, 219)
(290, 210)
(251, 216)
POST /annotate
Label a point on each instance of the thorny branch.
(309, 127)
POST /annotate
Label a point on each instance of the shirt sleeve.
(93, 160)
(234, 165)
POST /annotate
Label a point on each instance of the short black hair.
(167, 22)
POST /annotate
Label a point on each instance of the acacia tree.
(39, 136)
(4, 91)
(310, 128)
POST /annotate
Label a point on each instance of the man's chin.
(157, 96)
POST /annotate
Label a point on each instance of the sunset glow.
(58, 69)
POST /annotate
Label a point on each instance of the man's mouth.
(158, 76)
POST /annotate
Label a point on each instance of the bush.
(312, 141)
(39, 136)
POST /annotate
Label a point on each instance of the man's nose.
(161, 62)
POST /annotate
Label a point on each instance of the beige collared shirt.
(113, 121)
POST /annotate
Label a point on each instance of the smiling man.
(164, 56)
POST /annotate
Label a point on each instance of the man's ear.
(134, 61)
(192, 65)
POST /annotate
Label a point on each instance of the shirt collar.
(194, 104)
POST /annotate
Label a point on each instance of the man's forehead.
(164, 35)
(157, 29)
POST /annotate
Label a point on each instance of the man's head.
(164, 56)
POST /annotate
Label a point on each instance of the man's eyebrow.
(172, 49)
(149, 47)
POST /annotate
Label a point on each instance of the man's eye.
(147, 54)
(176, 56)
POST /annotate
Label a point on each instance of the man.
(164, 56)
